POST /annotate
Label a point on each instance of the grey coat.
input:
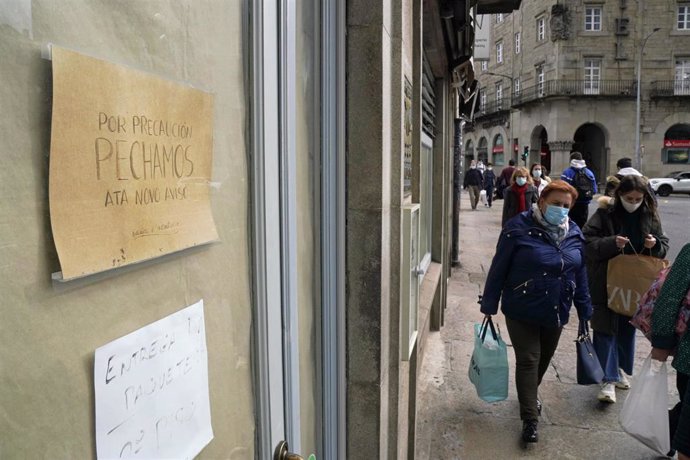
(600, 236)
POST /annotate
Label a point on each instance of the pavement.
(453, 423)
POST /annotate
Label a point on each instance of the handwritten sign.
(130, 165)
(152, 397)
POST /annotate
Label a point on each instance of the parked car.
(675, 182)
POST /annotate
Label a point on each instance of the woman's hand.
(660, 354)
(649, 242)
(621, 241)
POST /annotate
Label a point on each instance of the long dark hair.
(638, 184)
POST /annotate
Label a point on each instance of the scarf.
(520, 193)
(557, 232)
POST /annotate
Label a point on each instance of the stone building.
(562, 77)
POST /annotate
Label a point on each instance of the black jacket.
(489, 180)
(600, 234)
(510, 204)
(473, 177)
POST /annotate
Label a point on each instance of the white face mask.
(630, 207)
(473, 167)
(491, 168)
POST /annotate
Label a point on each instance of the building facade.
(562, 76)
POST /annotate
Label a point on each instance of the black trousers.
(489, 194)
(679, 416)
(534, 346)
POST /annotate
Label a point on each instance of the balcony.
(492, 106)
(669, 88)
(575, 88)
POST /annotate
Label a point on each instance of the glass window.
(540, 81)
(517, 43)
(426, 169)
(499, 18)
(516, 86)
(498, 151)
(592, 75)
(499, 96)
(681, 84)
(499, 52)
(541, 29)
(684, 17)
(482, 102)
(592, 18)
(485, 65)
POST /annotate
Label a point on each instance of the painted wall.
(48, 333)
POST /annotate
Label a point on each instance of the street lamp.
(510, 111)
(638, 157)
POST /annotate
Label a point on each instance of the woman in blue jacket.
(537, 272)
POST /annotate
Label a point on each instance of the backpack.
(583, 185)
(642, 319)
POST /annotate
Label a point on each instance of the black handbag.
(589, 369)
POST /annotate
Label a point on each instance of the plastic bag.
(644, 415)
(482, 197)
(489, 364)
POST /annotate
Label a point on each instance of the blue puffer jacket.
(537, 280)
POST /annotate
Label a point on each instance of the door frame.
(272, 77)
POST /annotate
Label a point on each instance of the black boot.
(529, 431)
(539, 406)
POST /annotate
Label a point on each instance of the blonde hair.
(521, 171)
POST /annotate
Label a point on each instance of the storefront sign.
(497, 149)
(151, 389)
(676, 142)
(482, 31)
(130, 165)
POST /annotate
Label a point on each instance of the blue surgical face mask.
(537, 173)
(521, 181)
(555, 215)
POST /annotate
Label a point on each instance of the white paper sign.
(482, 30)
(152, 390)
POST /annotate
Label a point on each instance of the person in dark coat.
(669, 317)
(537, 272)
(504, 178)
(520, 196)
(474, 181)
(627, 224)
(489, 183)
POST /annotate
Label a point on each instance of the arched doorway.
(483, 150)
(590, 140)
(676, 149)
(539, 148)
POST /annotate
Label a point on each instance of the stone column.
(560, 157)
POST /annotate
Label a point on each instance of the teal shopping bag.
(489, 365)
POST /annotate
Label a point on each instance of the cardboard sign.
(130, 165)
(151, 387)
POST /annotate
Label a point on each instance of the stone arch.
(539, 151)
(483, 150)
(590, 139)
(498, 149)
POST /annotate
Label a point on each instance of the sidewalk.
(453, 423)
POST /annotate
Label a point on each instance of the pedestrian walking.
(519, 196)
(580, 177)
(489, 183)
(539, 177)
(625, 168)
(473, 182)
(611, 184)
(628, 224)
(670, 332)
(537, 271)
(504, 178)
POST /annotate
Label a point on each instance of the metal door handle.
(282, 453)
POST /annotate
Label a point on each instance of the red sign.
(676, 142)
(497, 149)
